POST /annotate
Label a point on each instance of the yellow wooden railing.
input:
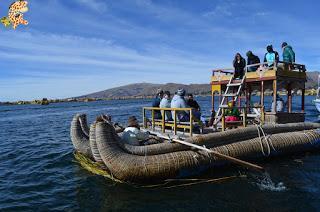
(163, 123)
(244, 115)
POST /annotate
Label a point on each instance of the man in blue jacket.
(288, 54)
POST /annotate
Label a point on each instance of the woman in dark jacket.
(239, 63)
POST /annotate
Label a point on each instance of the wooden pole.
(164, 121)
(218, 154)
(289, 99)
(223, 120)
(212, 101)
(152, 119)
(274, 109)
(175, 121)
(144, 118)
(262, 94)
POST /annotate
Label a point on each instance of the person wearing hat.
(132, 134)
(178, 101)
(156, 103)
(166, 103)
(252, 59)
(288, 55)
(271, 56)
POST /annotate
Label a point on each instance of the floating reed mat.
(134, 168)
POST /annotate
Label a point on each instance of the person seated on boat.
(178, 101)
(271, 56)
(239, 63)
(156, 103)
(252, 59)
(232, 114)
(257, 109)
(134, 136)
(194, 105)
(288, 55)
(279, 104)
(166, 103)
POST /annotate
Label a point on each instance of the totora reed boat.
(101, 150)
(268, 132)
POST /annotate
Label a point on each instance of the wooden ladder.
(224, 103)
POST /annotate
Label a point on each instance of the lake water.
(38, 171)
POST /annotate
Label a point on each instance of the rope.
(261, 142)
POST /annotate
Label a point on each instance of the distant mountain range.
(140, 90)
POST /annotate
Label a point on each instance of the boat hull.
(120, 164)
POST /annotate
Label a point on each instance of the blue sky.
(74, 47)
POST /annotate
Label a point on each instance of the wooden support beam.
(163, 122)
(274, 109)
(223, 120)
(212, 101)
(144, 118)
(262, 93)
(289, 98)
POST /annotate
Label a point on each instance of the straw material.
(93, 144)
(217, 139)
(79, 134)
(134, 168)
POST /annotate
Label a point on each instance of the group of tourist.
(271, 57)
(133, 135)
(163, 100)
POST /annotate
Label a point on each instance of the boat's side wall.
(134, 168)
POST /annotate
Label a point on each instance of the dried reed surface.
(93, 145)
(79, 133)
(133, 168)
(218, 138)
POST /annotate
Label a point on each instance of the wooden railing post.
(223, 121)
(244, 117)
(262, 116)
(163, 122)
(175, 122)
(152, 118)
(144, 118)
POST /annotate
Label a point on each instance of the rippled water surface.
(38, 170)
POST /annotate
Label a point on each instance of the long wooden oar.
(218, 154)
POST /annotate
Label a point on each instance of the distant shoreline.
(45, 101)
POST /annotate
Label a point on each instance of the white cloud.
(97, 5)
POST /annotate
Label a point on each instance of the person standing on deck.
(178, 101)
(156, 103)
(239, 63)
(252, 59)
(271, 56)
(288, 55)
(166, 103)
